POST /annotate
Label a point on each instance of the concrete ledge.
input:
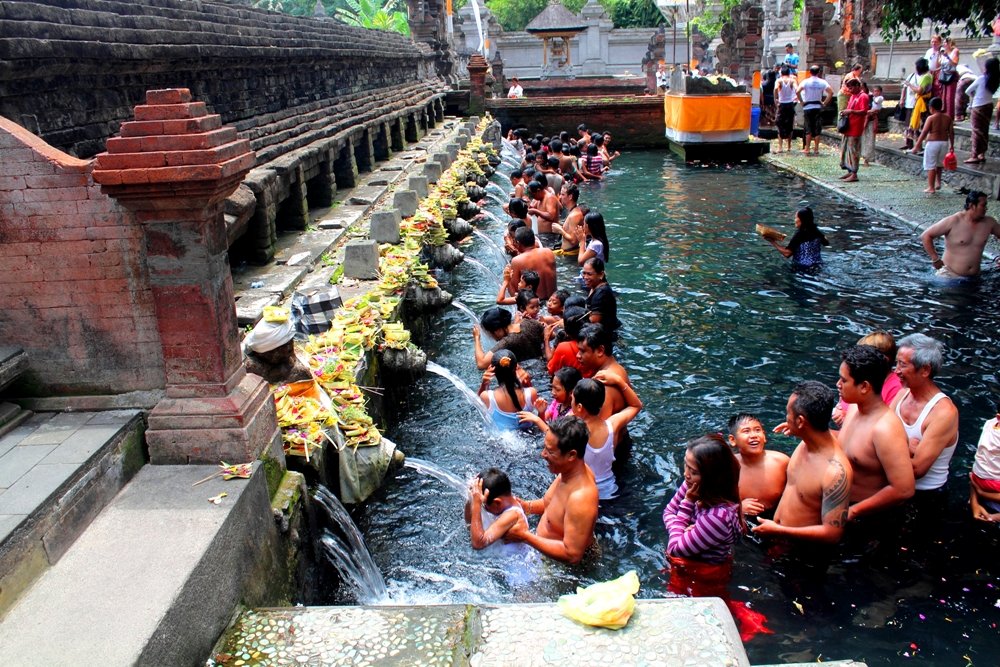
(159, 572)
(671, 632)
(86, 464)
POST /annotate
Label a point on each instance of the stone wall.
(72, 277)
(305, 92)
(634, 122)
(74, 69)
(316, 100)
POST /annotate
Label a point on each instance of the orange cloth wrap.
(707, 113)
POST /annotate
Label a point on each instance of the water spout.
(493, 244)
(503, 193)
(492, 216)
(345, 549)
(438, 473)
(472, 261)
(469, 395)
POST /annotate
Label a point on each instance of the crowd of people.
(896, 431)
(937, 93)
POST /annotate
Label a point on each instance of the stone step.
(57, 472)
(669, 632)
(13, 363)
(963, 137)
(153, 580)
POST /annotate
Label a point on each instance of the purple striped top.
(706, 534)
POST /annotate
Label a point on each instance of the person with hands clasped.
(704, 519)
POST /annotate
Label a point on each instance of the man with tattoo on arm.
(814, 504)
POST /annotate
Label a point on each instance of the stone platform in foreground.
(696, 632)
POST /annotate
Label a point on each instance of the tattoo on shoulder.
(836, 496)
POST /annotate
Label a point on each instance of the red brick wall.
(74, 292)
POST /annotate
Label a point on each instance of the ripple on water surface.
(716, 322)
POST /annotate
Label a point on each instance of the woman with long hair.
(704, 519)
(602, 302)
(981, 91)
(593, 239)
(804, 248)
(948, 74)
(592, 164)
(509, 397)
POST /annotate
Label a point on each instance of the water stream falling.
(344, 546)
(500, 190)
(467, 393)
(492, 216)
(485, 270)
(472, 316)
(493, 244)
(438, 473)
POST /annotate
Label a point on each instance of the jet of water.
(493, 244)
(438, 473)
(472, 261)
(346, 550)
(469, 395)
(492, 216)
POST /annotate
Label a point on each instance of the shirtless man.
(594, 355)
(569, 507)
(544, 205)
(540, 260)
(762, 471)
(929, 418)
(570, 198)
(814, 504)
(965, 235)
(872, 436)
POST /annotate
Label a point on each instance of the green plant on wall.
(389, 15)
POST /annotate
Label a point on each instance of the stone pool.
(715, 322)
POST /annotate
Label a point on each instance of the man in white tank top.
(929, 417)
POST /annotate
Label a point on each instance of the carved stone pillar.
(477, 82)
(173, 167)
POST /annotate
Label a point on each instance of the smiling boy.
(762, 471)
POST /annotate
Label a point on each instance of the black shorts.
(786, 119)
(813, 121)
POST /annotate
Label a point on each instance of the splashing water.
(466, 391)
(346, 550)
(493, 244)
(438, 473)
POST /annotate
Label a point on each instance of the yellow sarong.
(919, 107)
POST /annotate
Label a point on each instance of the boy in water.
(939, 134)
(529, 280)
(491, 491)
(762, 471)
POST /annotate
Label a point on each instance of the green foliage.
(516, 14)
(636, 14)
(375, 14)
(906, 17)
(797, 8)
(710, 21)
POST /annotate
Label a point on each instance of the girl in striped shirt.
(704, 520)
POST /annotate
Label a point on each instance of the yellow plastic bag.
(607, 604)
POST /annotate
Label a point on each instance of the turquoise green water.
(717, 322)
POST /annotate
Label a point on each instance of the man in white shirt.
(814, 93)
(515, 91)
(935, 57)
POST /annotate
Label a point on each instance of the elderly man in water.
(569, 507)
(965, 235)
